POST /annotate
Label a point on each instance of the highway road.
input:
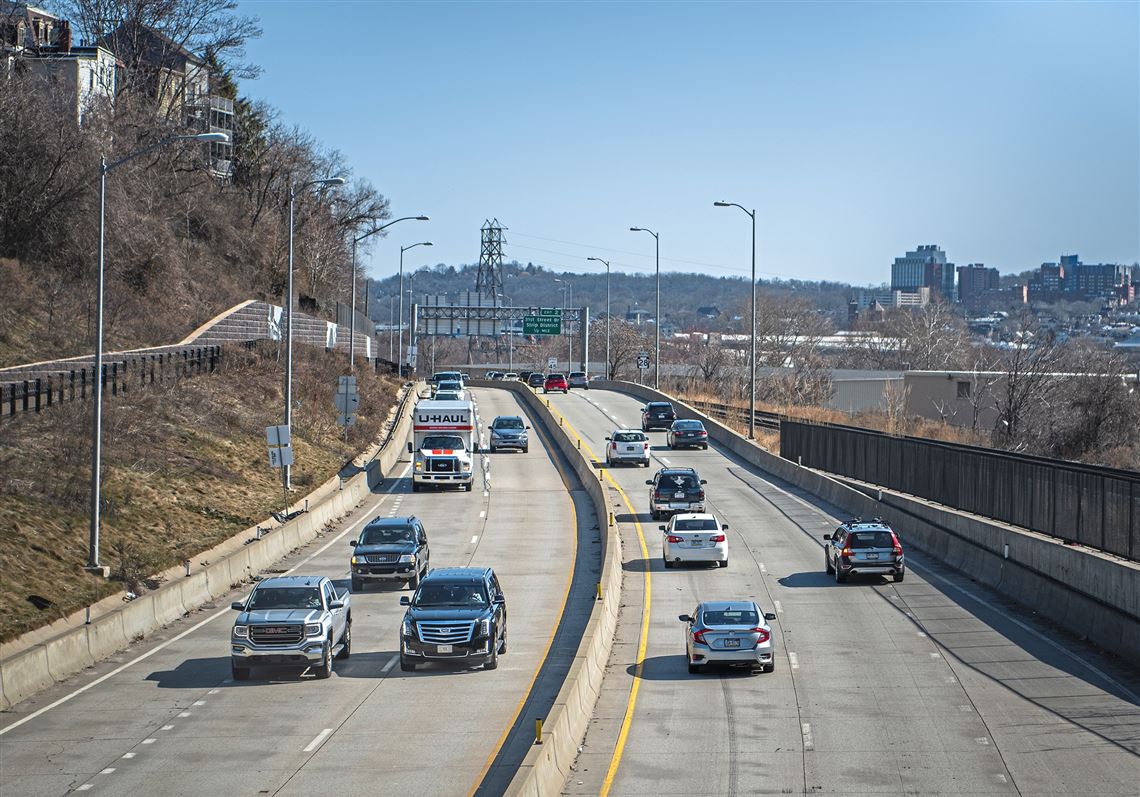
(929, 686)
(164, 718)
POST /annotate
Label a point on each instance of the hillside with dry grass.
(184, 468)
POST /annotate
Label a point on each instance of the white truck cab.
(444, 443)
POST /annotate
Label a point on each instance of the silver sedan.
(732, 632)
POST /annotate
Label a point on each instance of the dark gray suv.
(390, 549)
(458, 614)
(857, 547)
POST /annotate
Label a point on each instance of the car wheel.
(239, 673)
(346, 641)
(840, 577)
(325, 668)
(492, 662)
(406, 664)
(357, 585)
(722, 563)
(899, 576)
(467, 487)
(414, 581)
(668, 564)
(503, 643)
(695, 669)
(645, 463)
(492, 449)
(705, 447)
(526, 449)
(415, 487)
(827, 564)
(770, 667)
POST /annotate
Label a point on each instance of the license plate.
(872, 556)
(678, 495)
(443, 648)
(732, 643)
(678, 506)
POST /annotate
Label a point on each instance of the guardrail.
(733, 412)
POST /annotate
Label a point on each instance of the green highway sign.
(542, 324)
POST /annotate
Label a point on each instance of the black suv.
(675, 490)
(657, 415)
(457, 614)
(863, 547)
(390, 549)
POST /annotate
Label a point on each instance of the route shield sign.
(542, 324)
(643, 360)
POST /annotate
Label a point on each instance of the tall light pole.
(97, 405)
(286, 471)
(752, 346)
(657, 311)
(400, 347)
(352, 315)
(607, 265)
(567, 287)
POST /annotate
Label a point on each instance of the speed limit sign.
(551, 363)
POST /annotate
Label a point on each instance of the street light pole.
(352, 315)
(752, 346)
(607, 265)
(400, 347)
(286, 471)
(97, 405)
(657, 311)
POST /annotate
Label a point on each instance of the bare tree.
(1029, 384)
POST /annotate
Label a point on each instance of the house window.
(963, 390)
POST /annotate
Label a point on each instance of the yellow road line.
(553, 631)
(643, 638)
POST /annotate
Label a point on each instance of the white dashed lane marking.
(391, 663)
(313, 745)
(475, 539)
(794, 659)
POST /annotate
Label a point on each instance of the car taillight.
(699, 636)
(898, 546)
(845, 552)
(763, 635)
(702, 434)
(614, 445)
(717, 538)
(701, 495)
(674, 538)
(646, 446)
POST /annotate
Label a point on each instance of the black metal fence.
(38, 390)
(1097, 507)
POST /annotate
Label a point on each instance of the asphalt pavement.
(929, 686)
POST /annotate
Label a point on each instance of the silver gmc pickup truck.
(291, 621)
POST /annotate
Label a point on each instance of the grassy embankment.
(184, 468)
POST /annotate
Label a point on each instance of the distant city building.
(868, 299)
(977, 285)
(1074, 280)
(636, 315)
(925, 267)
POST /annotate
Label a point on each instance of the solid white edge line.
(196, 626)
(313, 745)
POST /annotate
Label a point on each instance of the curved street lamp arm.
(751, 213)
(375, 230)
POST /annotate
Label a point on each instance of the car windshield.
(659, 407)
(732, 617)
(450, 384)
(688, 425)
(447, 395)
(508, 423)
(870, 539)
(443, 441)
(677, 481)
(451, 594)
(285, 598)
(696, 524)
(629, 437)
(556, 376)
(386, 535)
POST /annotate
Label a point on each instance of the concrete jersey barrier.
(1092, 594)
(38, 667)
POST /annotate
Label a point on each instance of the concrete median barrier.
(1094, 595)
(39, 665)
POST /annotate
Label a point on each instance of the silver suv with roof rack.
(863, 547)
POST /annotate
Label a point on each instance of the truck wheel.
(503, 643)
(406, 665)
(468, 486)
(414, 581)
(346, 641)
(357, 585)
(415, 487)
(325, 668)
(239, 673)
(492, 662)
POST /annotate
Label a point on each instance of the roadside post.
(280, 454)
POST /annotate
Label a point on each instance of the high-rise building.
(925, 267)
(977, 284)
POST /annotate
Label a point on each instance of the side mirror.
(827, 537)
(724, 527)
(684, 618)
(238, 606)
(769, 616)
(352, 543)
(410, 449)
(704, 481)
(529, 427)
(500, 599)
(405, 600)
(649, 482)
(336, 604)
(608, 439)
(661, 527)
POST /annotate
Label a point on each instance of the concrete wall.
(547, 766)
(1090, 593)
(38, 666)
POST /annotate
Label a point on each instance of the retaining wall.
(24, 673)
(1092, 594)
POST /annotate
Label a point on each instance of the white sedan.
(694, 537)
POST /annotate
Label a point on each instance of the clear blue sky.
(1008, 133)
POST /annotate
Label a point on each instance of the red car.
(555, 382)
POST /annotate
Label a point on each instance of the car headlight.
(484, 627)
(241, 631)
(353, 560)
(407, 558)
(419, 465)
(407, 628)
(313, 629)
(466, 467)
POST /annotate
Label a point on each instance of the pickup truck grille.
(442, 465)
(381, 558)
(445, 633)
(276, 634)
